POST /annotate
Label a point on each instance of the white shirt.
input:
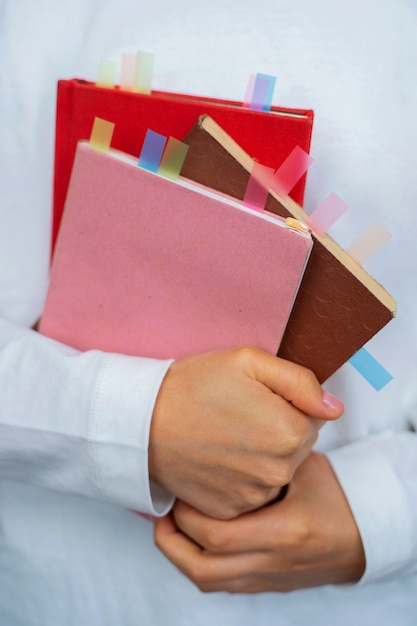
(74, 427)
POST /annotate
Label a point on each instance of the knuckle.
(294, 439)
(245, 356)
(230, 510)
(197, 573)
(307, 379)
(283, 474)
(257, 498)
(301, 530)
(250, 497)
(273, 475)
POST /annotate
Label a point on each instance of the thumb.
(297, 385)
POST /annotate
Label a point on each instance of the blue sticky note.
(370, 369)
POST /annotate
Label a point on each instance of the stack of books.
(163, 266)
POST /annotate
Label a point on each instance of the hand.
(229, 428)
(308, 539)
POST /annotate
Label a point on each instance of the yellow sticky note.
(143, 73)
(106, 74)
(173, 158)
(101, 134)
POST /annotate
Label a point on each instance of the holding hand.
(308, 539)
(230, 428)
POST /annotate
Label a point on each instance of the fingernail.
(332, 402)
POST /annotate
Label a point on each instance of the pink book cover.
(148, 266)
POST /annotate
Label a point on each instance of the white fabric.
(76, 422)
(71, 551)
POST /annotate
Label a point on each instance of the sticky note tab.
(259, 92)
(173, 158)
(370, 369)
(367, 244)
(291, 170)
(259, 183)
(268, 91)
(127, 76)
(143, 73)
(326, 214)
(249, 92)
(106, 74)
(152, 150)
(101, 134)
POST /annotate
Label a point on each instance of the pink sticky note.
(258, 186)
(259, 92)
(127, 78)
(292, 169)
(249, 92)
(326, 214)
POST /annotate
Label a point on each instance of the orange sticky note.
(101, 134)
(368, 243)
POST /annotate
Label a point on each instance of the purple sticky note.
(152, 150)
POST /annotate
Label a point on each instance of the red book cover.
(268, 136)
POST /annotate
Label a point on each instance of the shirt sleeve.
(78, 422)
(379, 477)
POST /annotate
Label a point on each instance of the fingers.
(230, 428)
(210, 572)
(251, 532)
(296, 384)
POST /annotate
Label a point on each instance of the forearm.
(77, 422)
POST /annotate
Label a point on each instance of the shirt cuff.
(378, 501)
(119, 425)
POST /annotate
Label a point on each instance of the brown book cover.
(339, 306)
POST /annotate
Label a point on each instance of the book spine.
(64, 115)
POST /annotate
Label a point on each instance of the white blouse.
(74, 427)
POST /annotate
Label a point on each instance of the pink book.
(148, 266)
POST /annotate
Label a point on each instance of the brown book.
(339, 306)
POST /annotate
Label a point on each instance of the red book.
(268, 136)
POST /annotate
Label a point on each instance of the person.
(75, 427)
